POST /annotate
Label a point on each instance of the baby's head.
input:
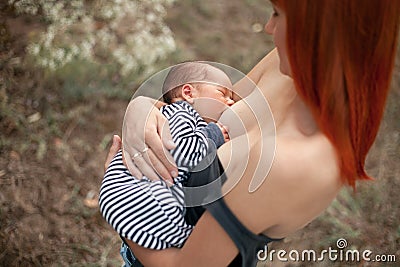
(207, 88)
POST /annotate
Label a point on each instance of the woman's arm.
(247, 84)
(208, 245)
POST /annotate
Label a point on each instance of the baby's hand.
(224, 131)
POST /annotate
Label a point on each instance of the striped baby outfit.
(150, 213)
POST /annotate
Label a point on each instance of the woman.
(339, 55)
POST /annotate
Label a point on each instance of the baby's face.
(211, 100)
(217, 86)
(219, 93)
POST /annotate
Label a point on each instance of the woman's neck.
(298, 119)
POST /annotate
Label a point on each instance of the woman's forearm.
(208, 245)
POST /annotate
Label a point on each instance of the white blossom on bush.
(130, 33)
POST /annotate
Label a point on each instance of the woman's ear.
(187, 93)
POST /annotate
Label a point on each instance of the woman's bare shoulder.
(308, 175)
(312, 159)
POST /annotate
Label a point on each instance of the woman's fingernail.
(174, 174)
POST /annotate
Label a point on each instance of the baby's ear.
(187, 93)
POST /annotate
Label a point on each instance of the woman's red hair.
(341, 54)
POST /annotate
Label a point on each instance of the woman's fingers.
(145, 163)
(141, 160)
(160, 141)
(149, 130)
(163, 129)
(116, 145)
(160, 159)
(128, 161)
(149, 170)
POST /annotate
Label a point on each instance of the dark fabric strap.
(246, 241)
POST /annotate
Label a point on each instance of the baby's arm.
(190, 139)
(217, 133)
(191, 134)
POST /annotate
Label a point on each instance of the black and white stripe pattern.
(187, 130)
(150, 213)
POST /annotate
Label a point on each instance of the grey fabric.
(214, 133)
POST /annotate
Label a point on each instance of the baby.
(151, 213)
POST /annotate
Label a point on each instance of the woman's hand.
(145, 134)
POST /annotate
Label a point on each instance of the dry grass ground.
(52, 150)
